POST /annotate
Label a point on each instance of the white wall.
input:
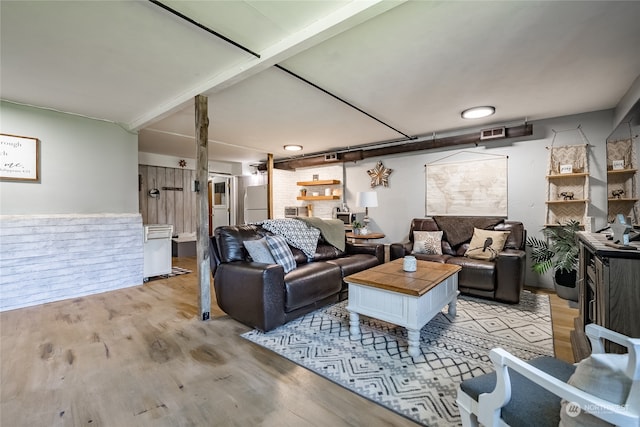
(86, 166)
(404, 199)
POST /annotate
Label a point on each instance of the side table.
(364, 237)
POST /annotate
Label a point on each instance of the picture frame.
(19, 158)
(564, 169)
(617, 165)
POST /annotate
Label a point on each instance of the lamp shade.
(367, 199)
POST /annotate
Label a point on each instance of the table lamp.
(366, 200)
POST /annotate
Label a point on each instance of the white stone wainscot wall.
(46, 258)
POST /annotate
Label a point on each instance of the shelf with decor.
(318, 182)
(568, 181)
(621, 171)
(622, 184)
(331, 190)
(560, 202)
(623, 200)
(567, 175)
(318, 197)
(566, 198)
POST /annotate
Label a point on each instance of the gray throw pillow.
(259, 251)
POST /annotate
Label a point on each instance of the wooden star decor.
(379, 175)
(182, 163)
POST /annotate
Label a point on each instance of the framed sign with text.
(19, 158)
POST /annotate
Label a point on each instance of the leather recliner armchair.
(501, 279)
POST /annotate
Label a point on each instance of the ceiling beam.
(408, 147)
(349, 16)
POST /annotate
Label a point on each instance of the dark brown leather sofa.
(501, 279)
(262, 295)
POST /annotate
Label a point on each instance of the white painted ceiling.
(413, 65)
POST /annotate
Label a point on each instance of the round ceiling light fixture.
(293, 147)
(478, 112)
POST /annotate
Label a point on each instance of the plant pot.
(565, 278)
(565, 282)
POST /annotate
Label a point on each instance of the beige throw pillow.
(486, 244)
(601, 375)
(427, 242)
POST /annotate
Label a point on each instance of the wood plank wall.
(46, 258)
(172, 207)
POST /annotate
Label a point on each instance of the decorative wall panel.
(176, 203)
(46, 258)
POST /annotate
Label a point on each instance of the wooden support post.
(270, 185)
(202, 203)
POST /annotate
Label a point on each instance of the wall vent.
(494, 133)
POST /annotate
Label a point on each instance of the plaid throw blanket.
(296, 233)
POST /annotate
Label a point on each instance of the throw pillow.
(427, 242)
(281, 252)
(486, 244)
(259, 251)
(601, 375)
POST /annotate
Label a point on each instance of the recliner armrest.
(252, 293)
(510, 272)
(376, 249)
(399, 250)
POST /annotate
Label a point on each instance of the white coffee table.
(407, 299)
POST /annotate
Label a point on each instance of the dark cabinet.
(609, 284)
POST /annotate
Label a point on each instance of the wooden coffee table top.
(392, 277)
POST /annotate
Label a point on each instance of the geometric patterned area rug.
(422, 388)
(177, 271)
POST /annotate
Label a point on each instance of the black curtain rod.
(203, 27)
(238, 45)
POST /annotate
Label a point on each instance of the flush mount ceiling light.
(291, 147)
(478, 112)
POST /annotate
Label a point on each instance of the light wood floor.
(140, 357)
(562, 316)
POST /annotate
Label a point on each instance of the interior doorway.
(220, 201)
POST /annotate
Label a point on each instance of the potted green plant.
(558, 252)
(303, 192)
(356, 226)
